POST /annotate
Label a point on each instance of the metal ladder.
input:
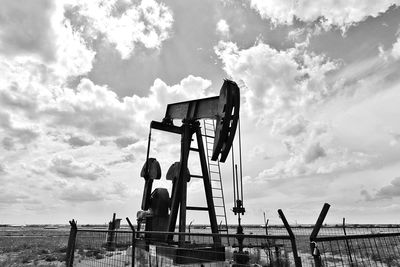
(214, 171)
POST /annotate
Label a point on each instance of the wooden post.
(313, 237)
(111, 234)
(347, 242)
(133, 241)
(71, 243)
(297, 259)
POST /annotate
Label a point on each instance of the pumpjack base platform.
(181, 255)
(189, 254)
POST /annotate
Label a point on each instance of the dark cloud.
(78, 141)
(390, 191)
(15, 98)
(68, 167)
(93, 192)
(2, 169)
(22, 135)
(294, 127)
(8, 143)
(386, 192)
(26, 28)
(125, 141)
(98, 122)
(7, 197)
(5, 121)
(395, 138)
(367, 196)
(126, 158)
(80, 194)
(313, 152)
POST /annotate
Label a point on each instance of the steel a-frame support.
(179, 190)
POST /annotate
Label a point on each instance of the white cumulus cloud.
(396, 49)
(223, 28)
(278, 82)
(124, 24)
(282, 91)
(37, 34)
(329, 12)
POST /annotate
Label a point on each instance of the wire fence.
(377, 249)
(330, 248)
(167, 249)
(102, 248)
(300, 246)
(355, 246)
(127, 248)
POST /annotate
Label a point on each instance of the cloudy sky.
(80, 82)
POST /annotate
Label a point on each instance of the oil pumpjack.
(159, 210)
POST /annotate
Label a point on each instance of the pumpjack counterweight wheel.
(173, 172)
(227, 120)
(151, 171)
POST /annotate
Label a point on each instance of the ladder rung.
(207, 123)
(218, 206)
(214, 172)
(220, 215)
(216, 188)
(194, 149)
(209, 136)
(213, 164)
(215, 180)
(196, 176)
(216, 197)
(197, 208)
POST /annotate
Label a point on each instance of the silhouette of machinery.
(159, 209)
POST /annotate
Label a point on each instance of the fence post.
(347, 242)
(313, 237)
(297, 259)
(133, 241)
(71, 243)
(110, 245)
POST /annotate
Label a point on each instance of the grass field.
(33, 246)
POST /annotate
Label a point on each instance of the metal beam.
(206, 108)
(178, 201)
(165, 127)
